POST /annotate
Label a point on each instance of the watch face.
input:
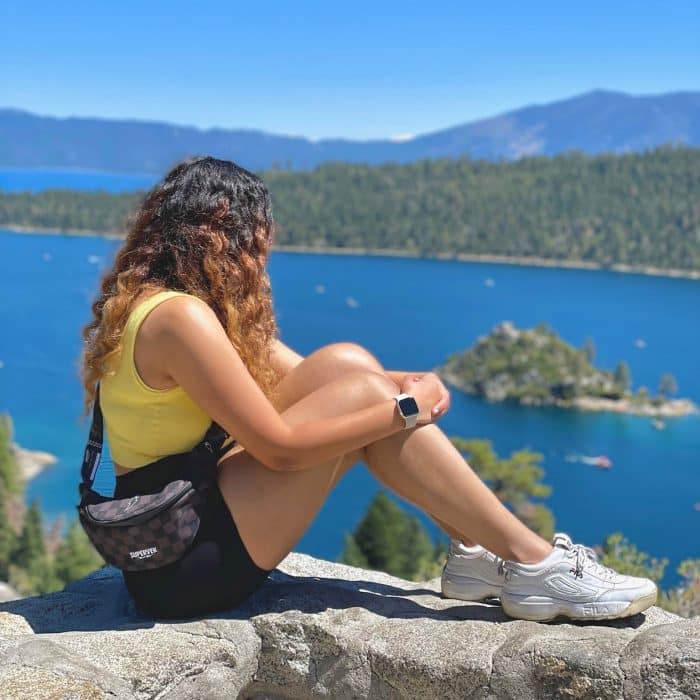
(408, 406)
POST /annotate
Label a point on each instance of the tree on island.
(667, 384)
(588, 349)
(623, 377)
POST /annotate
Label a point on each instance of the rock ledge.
(319, 629)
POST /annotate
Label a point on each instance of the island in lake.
(536, 367)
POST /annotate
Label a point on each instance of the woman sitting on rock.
(184, 334)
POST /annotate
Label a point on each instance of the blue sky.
(324, 69)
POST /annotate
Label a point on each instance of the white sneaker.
(570, 581)
(471, 573)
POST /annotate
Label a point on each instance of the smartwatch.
(408, 408)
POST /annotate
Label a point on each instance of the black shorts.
(216, 572)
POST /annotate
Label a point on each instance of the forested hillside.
(636, 209)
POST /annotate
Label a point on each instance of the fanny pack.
(151, 530)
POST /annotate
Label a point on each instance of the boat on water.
(600, 461)
(658, 423)
(351, 302)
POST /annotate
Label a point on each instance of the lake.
(411, 314)
(36, 180)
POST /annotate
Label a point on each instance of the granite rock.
(320, 629)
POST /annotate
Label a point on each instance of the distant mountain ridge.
(595, 122)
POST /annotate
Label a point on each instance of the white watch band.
(410, 420)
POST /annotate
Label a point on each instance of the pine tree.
(9, 469)
(75, 556)
(623, 556)
(667, 384)
(352, 554)
(31, 570)
(684, 599)
(392, 540)
(379, 534)
(418, 551)
(8, 539)
(30, 545)
(623, 377)
(589, 349)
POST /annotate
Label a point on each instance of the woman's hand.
(442, 404)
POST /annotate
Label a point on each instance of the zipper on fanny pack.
(139, 517)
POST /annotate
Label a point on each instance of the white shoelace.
(587, 557)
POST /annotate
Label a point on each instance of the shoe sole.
(544, 609)
(467, 588)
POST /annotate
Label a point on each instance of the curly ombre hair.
(206, 229)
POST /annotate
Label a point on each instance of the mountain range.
(595, 122)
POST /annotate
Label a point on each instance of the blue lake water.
(35, 180)
(411, 314)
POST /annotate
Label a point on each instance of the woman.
(184, 333)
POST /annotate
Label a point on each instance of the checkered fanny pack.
(151, 530)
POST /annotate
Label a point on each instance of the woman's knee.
(351, 355)
(375, 385)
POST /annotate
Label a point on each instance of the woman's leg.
(328, 363)
(273, 509)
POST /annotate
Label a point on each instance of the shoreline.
(670, 408)
(523, 261)
(31, 462)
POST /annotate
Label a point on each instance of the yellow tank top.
(143, 424)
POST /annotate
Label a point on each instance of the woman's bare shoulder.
(181, 317)
(181, 312)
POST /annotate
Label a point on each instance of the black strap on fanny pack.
(212, 441)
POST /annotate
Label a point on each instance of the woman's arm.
(198, 355)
